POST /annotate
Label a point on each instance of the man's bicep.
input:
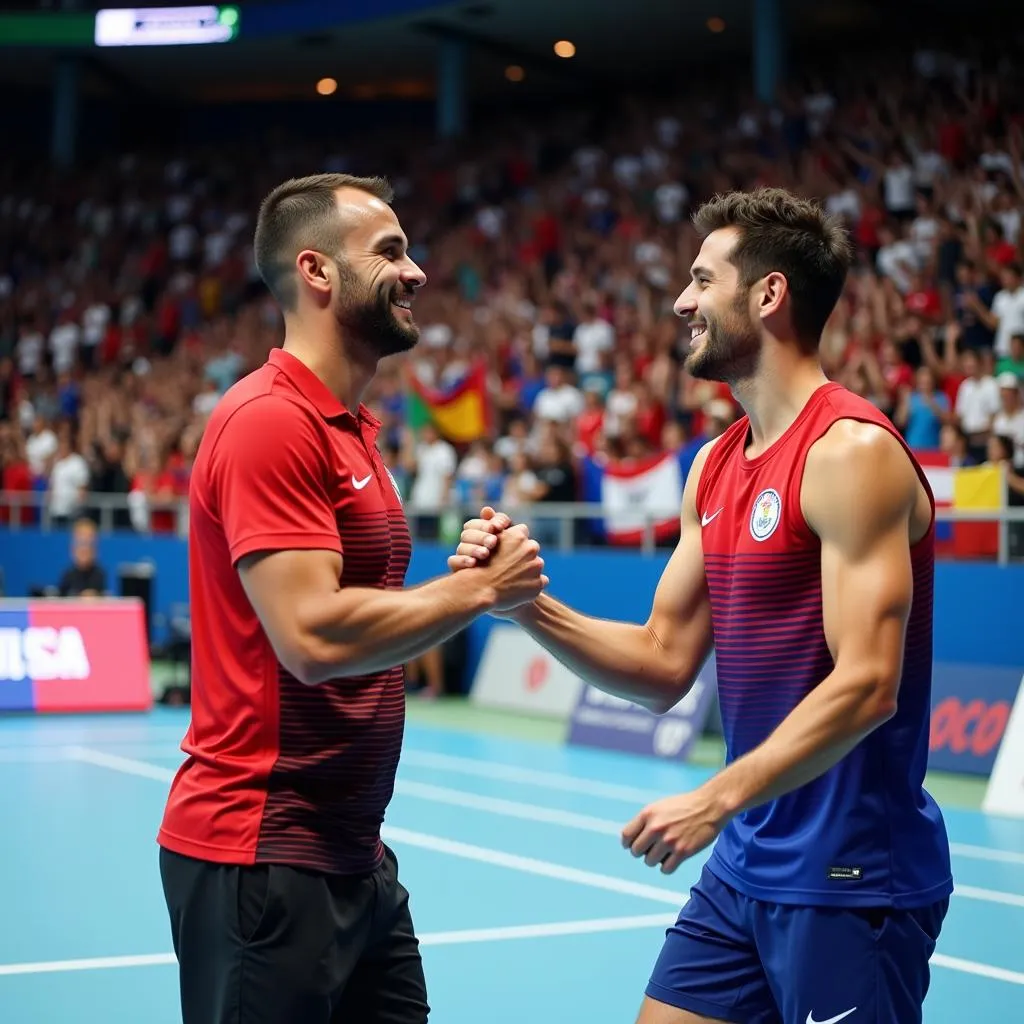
(270, 475)
(285, 587)
(861, 506)
(866, 597)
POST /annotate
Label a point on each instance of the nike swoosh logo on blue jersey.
(831, 1020)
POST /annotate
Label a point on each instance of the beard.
(729, 349)
(371, 318)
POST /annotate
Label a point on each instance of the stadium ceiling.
(656, 43)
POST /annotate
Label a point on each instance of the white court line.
(612, 791)
(505, 808)
(508, 773)
(488, 770)
(982, 970)
(508, 808)
(972, 892)
(528, 776)
(593, 926)
(125, 765)
(530, 865)
(95, 963)
(986, 853)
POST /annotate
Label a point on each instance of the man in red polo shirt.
(285, 906)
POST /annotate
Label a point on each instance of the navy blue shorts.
(741, 960)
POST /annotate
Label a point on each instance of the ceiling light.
(716, 25)
(326, 86)
(514, 73)
(563, 48)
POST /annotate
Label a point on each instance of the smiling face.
(725, 340)
(377, 281)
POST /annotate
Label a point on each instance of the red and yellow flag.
(461, 414)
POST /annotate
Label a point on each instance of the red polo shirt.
(276, 770)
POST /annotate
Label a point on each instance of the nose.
(413, 276)
(686, 305)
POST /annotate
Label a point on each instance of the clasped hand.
(515, 566)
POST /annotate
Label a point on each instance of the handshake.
(508, 556)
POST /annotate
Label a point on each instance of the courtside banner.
(971, 706)
(74, 656)
(611, 723)
(517, 674)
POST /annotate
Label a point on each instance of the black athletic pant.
(272, 944)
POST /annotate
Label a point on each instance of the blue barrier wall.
(977, 605)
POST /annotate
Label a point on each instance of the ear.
(770, 294)
(315, 272)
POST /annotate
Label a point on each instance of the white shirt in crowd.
(1009, 307)
(1011, 425)
(64, 339)
(592, 338)
(435, 465)
(618, 407)
(898, 187)
(977, 401)
(68, 479)
(669, 199)
(94, 324)
(182, 241)
(39, 449)
(560, 404)
(30, 353)
(893, 261)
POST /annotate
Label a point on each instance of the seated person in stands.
(85, 577)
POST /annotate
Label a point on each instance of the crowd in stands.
(554, 250)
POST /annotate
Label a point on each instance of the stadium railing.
(30, 510)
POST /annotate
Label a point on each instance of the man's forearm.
(360, 630)
(816, 735)
(621, 658)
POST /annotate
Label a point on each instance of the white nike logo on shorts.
(831, 1020)
(360, 484)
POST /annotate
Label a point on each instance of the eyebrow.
(392, 239)
(697, 271)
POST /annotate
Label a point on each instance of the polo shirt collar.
(310, 385)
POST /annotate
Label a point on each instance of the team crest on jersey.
(765, 516)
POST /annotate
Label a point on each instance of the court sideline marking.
(488, 804)
(592, 926)
(528, 865)
(556, 781)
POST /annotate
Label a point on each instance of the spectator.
(977, 401)
(433, 463)
(68, 481)
(922, 412)
(85, 577)
(1014, 362)
(1008, 309)
(1009, 421)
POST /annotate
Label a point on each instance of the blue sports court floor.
(528, 908)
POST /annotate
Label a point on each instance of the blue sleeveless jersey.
(866, 833)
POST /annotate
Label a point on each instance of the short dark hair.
(779, 232)
(302, 213)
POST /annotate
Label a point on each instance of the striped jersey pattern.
(340, 741)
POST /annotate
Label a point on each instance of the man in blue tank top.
(806, 561)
